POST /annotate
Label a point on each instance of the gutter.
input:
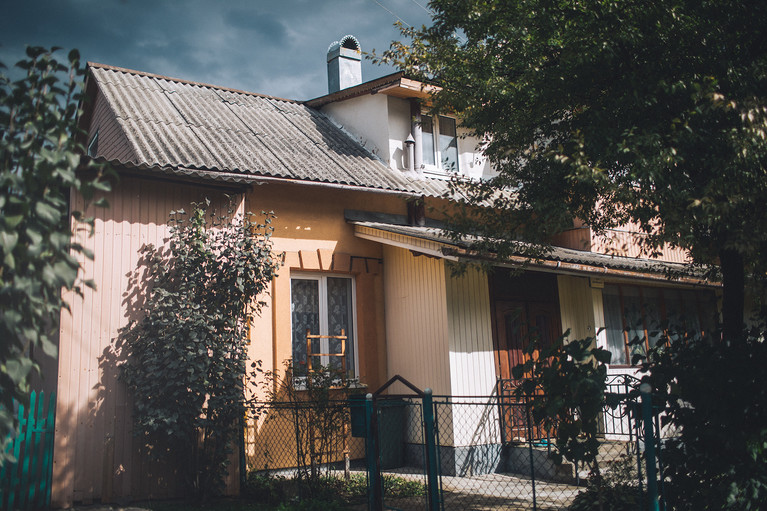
(261, 180)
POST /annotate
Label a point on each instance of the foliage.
(611, 111)
(264, 488)
(565, 386)
(355, 488)
(331, 491)
(186, 357)
(315, 405)
(614, 489)
(40, 162)
(714, 397)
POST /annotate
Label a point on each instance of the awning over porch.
(433, 239)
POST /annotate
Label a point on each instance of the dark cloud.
(263, 26)
(275, 48)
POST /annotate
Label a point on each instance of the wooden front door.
(517, 323)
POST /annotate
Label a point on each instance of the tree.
(186, 357)
(618, 111)
(611, 111)
(41, 160)
(714, 397)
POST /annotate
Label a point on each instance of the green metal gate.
(385, 417)
(25, 484)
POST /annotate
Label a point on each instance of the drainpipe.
(415, 130)
(409, 143)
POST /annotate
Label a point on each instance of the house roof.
(203, 129)
(434, 239)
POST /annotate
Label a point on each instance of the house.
(347, 175)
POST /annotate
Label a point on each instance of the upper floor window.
(636, 317)
(440, 144)
(323, 305)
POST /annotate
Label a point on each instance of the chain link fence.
(490, 453)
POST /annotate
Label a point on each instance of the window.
(93, 146)
(634, 313)
(440, 144)
(324, 305)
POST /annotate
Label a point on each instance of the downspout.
(415, 130)
(409, 143)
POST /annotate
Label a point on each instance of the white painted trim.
(322, 277)
(401, 241)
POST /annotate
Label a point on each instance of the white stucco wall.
(382, 123)
(366, 119)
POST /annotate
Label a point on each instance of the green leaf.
(12, 221)
(47, 212)
(8, 241)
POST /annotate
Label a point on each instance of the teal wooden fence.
(26, 483)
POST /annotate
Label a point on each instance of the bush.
(264, 488)
(186, 357)
(328, 492)
(614, 490)
(713, 395)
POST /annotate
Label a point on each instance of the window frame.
(93, 145)
(662, 299)
(436, 169)
(321, 278)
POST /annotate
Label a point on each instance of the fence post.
(375, 491)
(531, 452)
(645, 390)
(431, 450)
(241, 445)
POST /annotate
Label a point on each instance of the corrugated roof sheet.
(178, 124)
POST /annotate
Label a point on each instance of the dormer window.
(440, 144)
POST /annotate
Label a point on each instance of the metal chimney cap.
(348, 41)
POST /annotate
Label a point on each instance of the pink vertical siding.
(96, 455)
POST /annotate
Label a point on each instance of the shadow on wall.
(131, 466)
(97, 456)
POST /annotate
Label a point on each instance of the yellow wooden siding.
(472, 367)
(416, 319)
(472, 364)
(96, 455)
(575, 306)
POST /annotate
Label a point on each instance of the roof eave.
(395, 84)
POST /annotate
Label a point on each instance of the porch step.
(518, 461)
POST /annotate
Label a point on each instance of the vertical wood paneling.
(472, 367)
(95, 448)
(575, 304)
(472, 371)
(416, 319)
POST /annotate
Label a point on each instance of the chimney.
(344, 64)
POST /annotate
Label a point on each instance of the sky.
(271, 47)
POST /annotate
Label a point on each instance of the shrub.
(614, 489)
(187, 356)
